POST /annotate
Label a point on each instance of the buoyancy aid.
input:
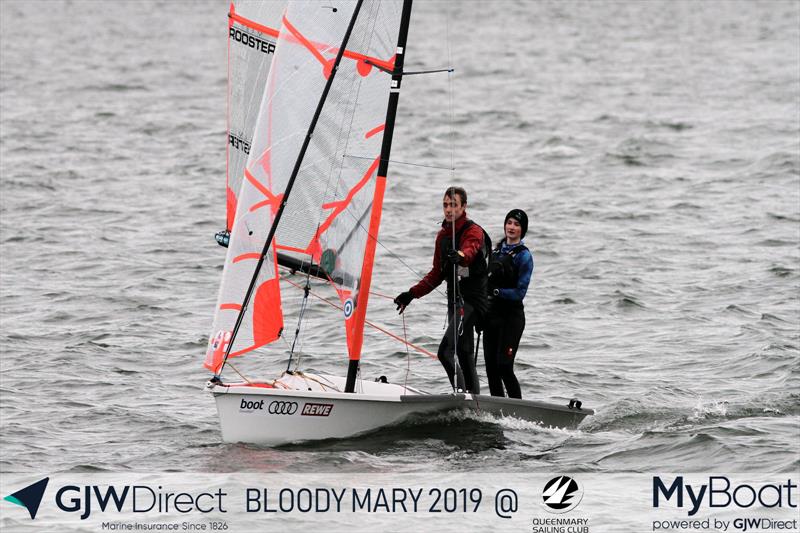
(503, 273)
(473, 284)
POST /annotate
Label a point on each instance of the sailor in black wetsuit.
(510, 271)
(461, 248)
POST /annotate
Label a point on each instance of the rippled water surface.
(654, 145)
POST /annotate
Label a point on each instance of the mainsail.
(252, 35)
(332, 215)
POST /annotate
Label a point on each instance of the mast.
(290, 184)
(380, 185)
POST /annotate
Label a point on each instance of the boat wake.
(640, 415)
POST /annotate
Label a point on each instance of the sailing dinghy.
(312, 192)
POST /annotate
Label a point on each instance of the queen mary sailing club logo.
(561, 494)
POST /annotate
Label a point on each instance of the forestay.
(333, 213)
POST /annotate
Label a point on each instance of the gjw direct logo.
(561, 494)
(30, 497)
(86, 499)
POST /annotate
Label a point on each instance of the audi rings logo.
(561, 494)
(282, 408)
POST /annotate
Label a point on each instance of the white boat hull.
(275, 416)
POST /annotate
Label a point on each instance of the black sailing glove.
(402, 300)
(453, 257)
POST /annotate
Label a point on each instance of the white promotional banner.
(432, 501)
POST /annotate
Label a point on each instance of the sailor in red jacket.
(460, 253)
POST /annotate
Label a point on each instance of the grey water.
(655, 146)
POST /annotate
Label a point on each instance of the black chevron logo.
(30, 497)
(562, 494)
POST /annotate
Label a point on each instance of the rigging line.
(372, 293)
(395, 162)
(307, 289)
(455, 320)
(286, 342)
(456, 296)
(331, 183)
(302, 313)
(391, 253)
(371, 324)
(379, 295)
(379, 67)
(327, 383)
(289, 185)
(405, 73)
(428, 71)
(353, 368)
(240, 374)
(356, 81)
(408, 354)
(450, 91)
(325, 386)
(303, 307)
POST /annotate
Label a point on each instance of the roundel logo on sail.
(348, 308)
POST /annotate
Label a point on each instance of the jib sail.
(252, 35)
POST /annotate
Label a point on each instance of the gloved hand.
(402, 300)
(453, 257)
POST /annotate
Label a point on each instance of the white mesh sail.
(329, 215)
(252, 35)
(253, 28)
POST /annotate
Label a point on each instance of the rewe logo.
(561, 494)
(30, 497)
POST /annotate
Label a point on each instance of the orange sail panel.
(355, 326)
(262, 322)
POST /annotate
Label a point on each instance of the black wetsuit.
(469, 302)
(510, 270)
(467, 373)
(468, 296)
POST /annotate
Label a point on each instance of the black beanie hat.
(520, 216)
